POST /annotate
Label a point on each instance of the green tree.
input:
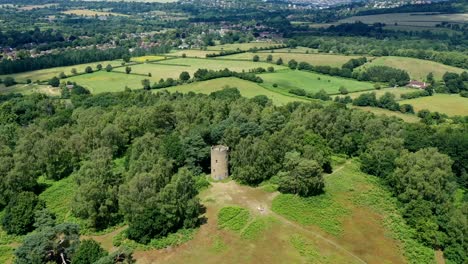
(184, 76)
(379, 157)
(300, 176)
(279, 61)
(256, 58)
(19, 213)
(96, 196)
(146, 84)
(88, 252)
(54, 82)
(88, 69)
(9, 81)
(269, 58)
(74, 71)
(49, 245)
(99, 67)
(128, 69)
(292, 64)
(343, 90)
(126, 58)
(62, 75)
(109, 68)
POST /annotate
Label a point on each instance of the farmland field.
(417, 69)
(243, 46)
(47, 74)
(380, 111)
(100, 82)
(312, 82)
(148, 58)
(196, 53)
(246, 88)
(450, 104)
(410, 19)
(302, 50)
(396, 91)
(172, 68)
(314, 59)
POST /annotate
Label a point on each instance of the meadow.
(450, 104)
(246, 88)
(396, 91)
(243, 46)
(417, 69)
(89, 13)
(314, 59)
(191, 53)
(173, 67)
(29, 89)
(102, 81)
(148, 58)
(380, 111)
(312, 82)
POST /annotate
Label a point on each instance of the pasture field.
(46, 74)
(396, 91)
(417, 69)
(191, 53)
(246, 88)
(102, 81)
(90, 13)
(381, 111)
(30, 88)
(409, 19)
(312, 82)
(31, 7)
(450, 104)
(243, 46)
(314, 59)
(172, 68)
(302, 50)
(148, 58)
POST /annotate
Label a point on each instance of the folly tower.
(219, 162)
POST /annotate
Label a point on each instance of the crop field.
(87, 12)
(246, 88)
(314, 59)
(396, 91)
(312, 82)
(409, 19)
(450, 104)
(100, 82)
(243, 46)
(47, 74)
(416, 68)
(172, 68)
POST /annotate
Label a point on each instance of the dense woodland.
(164, 140)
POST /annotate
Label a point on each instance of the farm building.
(219, 162)
(417, 84)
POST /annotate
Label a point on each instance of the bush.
(89, 251)
(298, 91)
(275, 85)
(464, 94)
(9, 81)
(88, 69)
(343, 90)
(270, 69)
(256, 58)
(19, 213)
(54, 82)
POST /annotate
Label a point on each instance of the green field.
(417, 69)
(193, 53)
(312, 82)
(396, 91)
(173, 67)
(450, 104)
(47, 74)
(302, 50)
(243, 46)
(246, 88)
(381, 111)
(314, 59)
(100, 82)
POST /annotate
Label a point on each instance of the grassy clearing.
(380, 111)
(233, 218)
(243, 46)
(450, 104)
(6, 254)
(314, 59)
(417, 69)
(312, 82)
(256, 228)
(302, 50)
(192, 53)
(47, 74)
(246, 88)
(171, 240)
(218, 245)
(322, 210)
(148, 58)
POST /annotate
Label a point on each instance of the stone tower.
(219, 162)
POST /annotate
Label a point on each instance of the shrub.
(88, 69)
(343, 90)
(298, 91)
(19, 213)
(9, 81)
(89, 251)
